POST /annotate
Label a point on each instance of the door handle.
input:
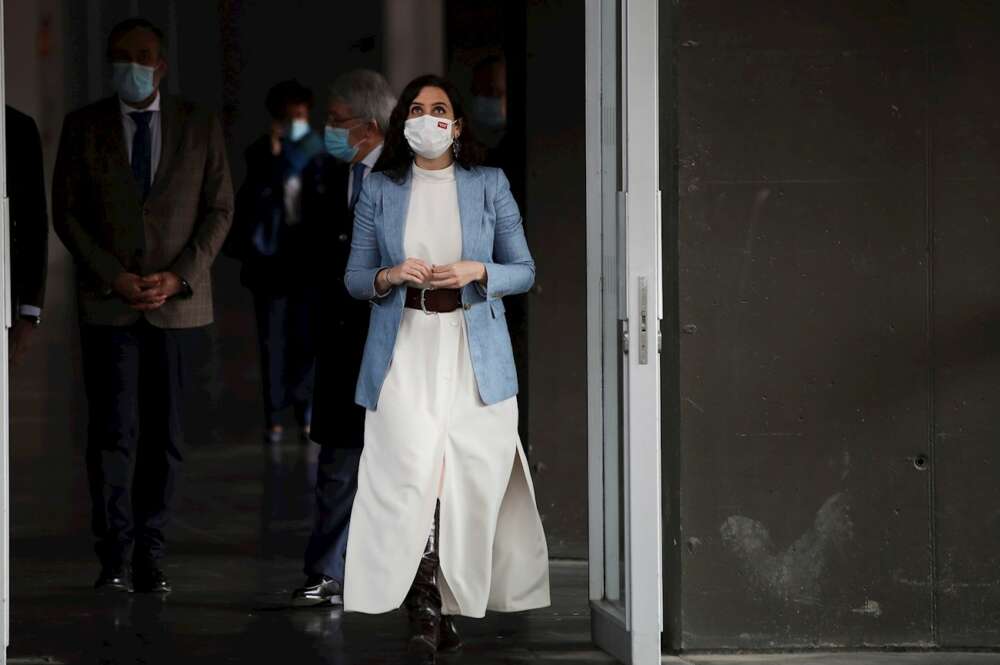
(643, 321)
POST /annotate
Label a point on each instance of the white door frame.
(624, 284)
(5, 323)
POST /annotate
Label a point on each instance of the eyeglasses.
(340, 122)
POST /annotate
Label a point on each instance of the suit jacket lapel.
(112, 139)
(470, 209)
(111, 143)
(170, 140)
(340, 179)
(395, 204)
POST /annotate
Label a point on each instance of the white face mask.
(297, 130)
(428, 136)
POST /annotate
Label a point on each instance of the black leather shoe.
(449, 640)
(319, 590)
(150, 580)
(114, 578)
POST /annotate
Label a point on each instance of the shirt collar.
(126, 109)
(373, 156)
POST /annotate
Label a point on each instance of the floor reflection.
(236, 548)
(128, 628)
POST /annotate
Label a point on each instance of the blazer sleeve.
(512, 270)
(365, 260)
(196, 259)
(30, 214)
(69, 207)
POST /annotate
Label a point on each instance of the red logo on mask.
(442, 124)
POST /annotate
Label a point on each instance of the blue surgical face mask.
(338, 145)
(297, 130)
(133, 82)
(488, 112)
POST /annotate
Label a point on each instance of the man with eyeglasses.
(360, 103)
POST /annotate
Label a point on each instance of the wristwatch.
(186, 290)
(34, 320)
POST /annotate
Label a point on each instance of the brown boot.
(423, 605)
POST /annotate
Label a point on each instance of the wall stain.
(793, 575)
(871, 608)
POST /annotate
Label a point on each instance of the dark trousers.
(287, 354)
(134, 376)
(336, 485)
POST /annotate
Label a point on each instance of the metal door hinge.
(624, 334)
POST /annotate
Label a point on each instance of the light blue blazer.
(491, 234)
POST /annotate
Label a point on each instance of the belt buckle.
(423, 300)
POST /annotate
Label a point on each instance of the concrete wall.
(837, 322)
(413, 38)
(35, 83)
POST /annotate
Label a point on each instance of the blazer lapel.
(111, 143)
(470, 209)
(170, 141)
(112, 139)
(395, 203)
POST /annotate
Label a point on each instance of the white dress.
(432, 437)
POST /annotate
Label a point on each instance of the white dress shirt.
(369, 162)
(293, 200)
(155, 132)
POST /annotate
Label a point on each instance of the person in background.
(443, 484)
(488, 106)
(504, 137)
(357, 114)
(29, 229)
(142, 199)
(269, 237)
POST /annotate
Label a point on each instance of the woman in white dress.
(444, 499)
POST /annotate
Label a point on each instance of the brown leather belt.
(439, 301)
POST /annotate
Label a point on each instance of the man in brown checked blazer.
(142, 198)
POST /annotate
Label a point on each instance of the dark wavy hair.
(397, 157)
(284, 93)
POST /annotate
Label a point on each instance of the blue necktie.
(359, 179)
(142, 152)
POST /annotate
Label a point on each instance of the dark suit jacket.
(260, 198)
(29, 219)
(342, 321)
(98, 212)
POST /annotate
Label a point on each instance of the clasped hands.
(147, 293)
(420, 274)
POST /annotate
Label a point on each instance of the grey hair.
(367, 93)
